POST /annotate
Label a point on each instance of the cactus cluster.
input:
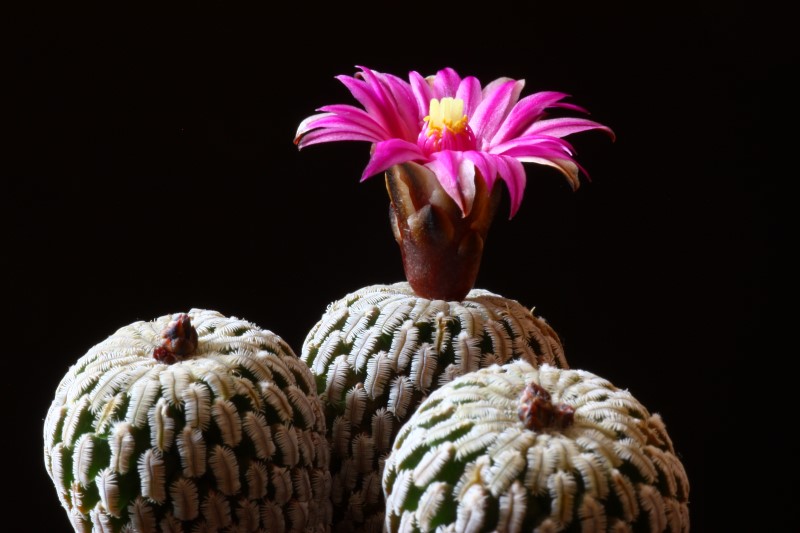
(514, 448)
(421, 406)
(171, 427)
(379, 351)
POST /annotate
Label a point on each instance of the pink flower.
(453, 126)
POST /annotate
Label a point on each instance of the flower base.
(441, 247)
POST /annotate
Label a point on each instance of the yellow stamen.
(447, 113)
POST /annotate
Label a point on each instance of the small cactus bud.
(537, 412)
(179, 340)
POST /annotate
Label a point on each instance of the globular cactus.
(379, 351)
(514, 448)
(193, 422)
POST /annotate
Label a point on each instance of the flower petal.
(375, 103)
(445, 166)
(533, 145)
(552, 152)
(456, 176)
(422, 92)
(446, 83)
(391, 152)
(362, 92)
(571, 107)
(383, 92)
(561, 127)
(358, 116)
(361, 125)
(492, 110)
(307, 125)
(512, 172)
(494, 85)
(466, 182)
(526, 112)
(327, 135)
(406, 103)
(568, 167)
(328, 127)
(470, 92)
(485, 163)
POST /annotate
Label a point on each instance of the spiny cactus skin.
(230, 438)
(378, 352)
(466, 461)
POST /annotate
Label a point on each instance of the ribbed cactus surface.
(513, 448)
(228, 438)
(379, 351)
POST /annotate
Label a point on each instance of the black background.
(153, 171)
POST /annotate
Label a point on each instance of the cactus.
(378, 352)
(191, 422)
(513, 448)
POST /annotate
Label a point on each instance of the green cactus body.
(230, 438)
(514, 448)
(378, 352)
